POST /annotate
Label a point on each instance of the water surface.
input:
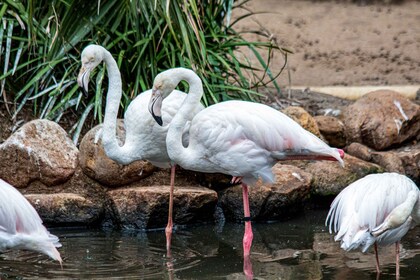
(297, 249)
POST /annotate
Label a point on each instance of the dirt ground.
(343, 42)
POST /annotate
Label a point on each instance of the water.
(296, 249)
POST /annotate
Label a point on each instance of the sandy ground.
(342, 42)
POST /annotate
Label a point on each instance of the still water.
(297, 249)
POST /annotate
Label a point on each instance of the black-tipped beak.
(83, 80)
(155, 106)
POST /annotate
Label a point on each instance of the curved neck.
(176, 151)
(109, 139)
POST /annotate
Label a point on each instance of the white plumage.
(21, 227)
(145, 140)
(379, 208)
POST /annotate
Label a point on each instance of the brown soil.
(343, 42)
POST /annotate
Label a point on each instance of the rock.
(405, 160)
(382, 119)
(147, 207)
(39, 150)
(98, 166)
(299, 115)
(332, 129)
(410, 157)
(65, 208)
(78, 201)
(266, 201)
(361, 151)
(329, 178)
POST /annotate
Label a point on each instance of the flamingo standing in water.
(21, 227)
(145, 140)
(238, 138)
(378, 209)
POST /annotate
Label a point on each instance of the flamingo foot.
(236, 180)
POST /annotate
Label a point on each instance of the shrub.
(41, 42)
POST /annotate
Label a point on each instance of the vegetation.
(41, 42)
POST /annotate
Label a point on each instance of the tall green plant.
(41, 43)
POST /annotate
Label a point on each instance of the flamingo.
(238, 138)
(21, 227)
(145, 140)
(378, 209)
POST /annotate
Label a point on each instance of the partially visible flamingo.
(378, 209)
(238, 138)
(145, 140)
(21, 227)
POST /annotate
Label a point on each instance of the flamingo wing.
(245, 139)
(16, 213)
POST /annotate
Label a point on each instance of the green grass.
(41, 42)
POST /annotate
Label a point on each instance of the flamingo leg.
(397, 260)
(248, 235)
(249, 274)
(378, 271)
(168, 230)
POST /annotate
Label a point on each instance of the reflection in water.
(297, 249)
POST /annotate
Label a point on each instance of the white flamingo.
(238, 138)
(21, 227)
(378, 209)
(145, 140)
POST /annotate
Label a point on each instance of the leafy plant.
(41, 42)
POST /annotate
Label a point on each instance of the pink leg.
(378, 271)
(248, 236)
(249, 274)
(397, 260)
(169, 227)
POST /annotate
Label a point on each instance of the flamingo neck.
(176, 151)
(109, 139)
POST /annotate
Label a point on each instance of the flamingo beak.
(83, 79)
(155, 106)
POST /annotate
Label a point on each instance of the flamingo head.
(92, 56)
(163, 85)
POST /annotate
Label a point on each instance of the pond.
(296, 249)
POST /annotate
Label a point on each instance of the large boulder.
(65, 208)
(267, 202)
(139, 207)
(78, 201)
(302, 117)
(382, 119)
(98, 166)
(332, 129)
(329, 178)
(404, 160)
(39, 150)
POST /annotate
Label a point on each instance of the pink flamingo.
(378, 209)
(21, 227)
(238, 138)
